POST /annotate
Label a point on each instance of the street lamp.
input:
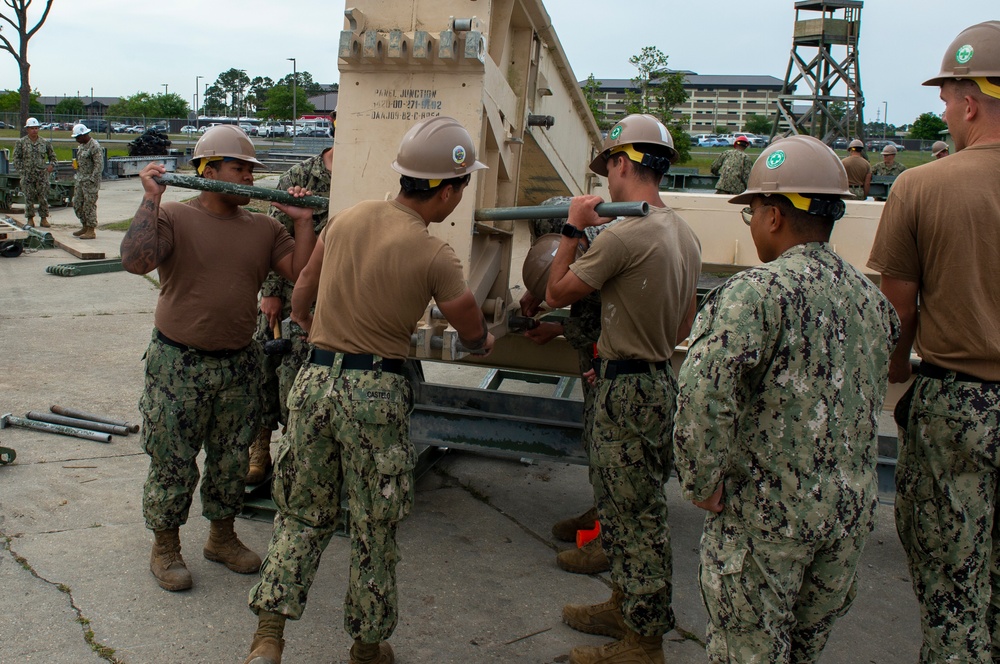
(166, 88)
(885, 118)
(295, 94)
(196, 81)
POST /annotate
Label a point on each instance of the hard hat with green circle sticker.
(972, 55)
(616, 132)
(776, 159)
(813, 170)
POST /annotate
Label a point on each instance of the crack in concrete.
(101, 650)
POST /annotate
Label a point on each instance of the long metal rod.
(11, 420)
(75, 422)
(624, 209)
(84, 415)
(218, 187)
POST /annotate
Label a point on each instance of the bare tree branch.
(45, 15)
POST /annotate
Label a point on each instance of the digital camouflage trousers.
(947, 495)
(190, 402)
(631, 457)
(347, 430)
(771, 599)
(85, 205)
(35, 187)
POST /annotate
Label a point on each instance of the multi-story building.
(713, 100)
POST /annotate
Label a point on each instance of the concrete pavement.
(478, 581)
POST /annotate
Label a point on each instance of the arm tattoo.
(140, 250)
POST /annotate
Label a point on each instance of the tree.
(71, 106)
(928, 127)
(171, 106)
(279, 103)
(10, 102)
(17, 18)
(591, 90)
(757, 124)
(657, 91)
(232, 84)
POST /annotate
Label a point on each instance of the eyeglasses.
(748, 212)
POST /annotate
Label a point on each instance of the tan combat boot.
(267, 640)
(223, 546)
(632, 649)
(44, 223)
(80, 232)
(588, 559)
(371, 653)
(89, 233)
(565, 530)
(260, 457)
(166, 563)
(604, 618)
(29, 222)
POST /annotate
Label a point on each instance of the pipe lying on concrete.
(10, 420)
(86, 425)
(84, 415)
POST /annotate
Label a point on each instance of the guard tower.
(834, 104)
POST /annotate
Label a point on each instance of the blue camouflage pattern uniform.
(582, 328)
(779, 400)
(193, 400)
(347, 429)
(279, 371)
(32, 159)
(882, 168)
(733, 168)
(90, 165)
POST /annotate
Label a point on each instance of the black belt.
(362, 362)
(929, 370)
(222, 354)
(614, 368)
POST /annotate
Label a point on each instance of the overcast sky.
(120, 47)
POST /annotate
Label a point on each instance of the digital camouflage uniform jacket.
(312, 175)
(733, 168)
(30, 157)
(780, 395)
(882, 169)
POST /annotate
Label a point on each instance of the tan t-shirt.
(941, 228)
(857, 168)
(212, 273)
(647, 270)
(380, 269)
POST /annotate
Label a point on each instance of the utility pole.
(197, 79)
(295, 95)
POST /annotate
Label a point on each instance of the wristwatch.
(569, 230)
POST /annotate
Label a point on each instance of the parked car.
(271, 131)
(3, 125)
(707, 140)
(840, 144)
(158, 127)
(189, 129)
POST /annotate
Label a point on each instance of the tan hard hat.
(889, 149)
(224, 141)
(938, 148)
(538, 262)
(636, 128)
(856, 143)
(974, 53)
(797, 167)
(437, 148)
